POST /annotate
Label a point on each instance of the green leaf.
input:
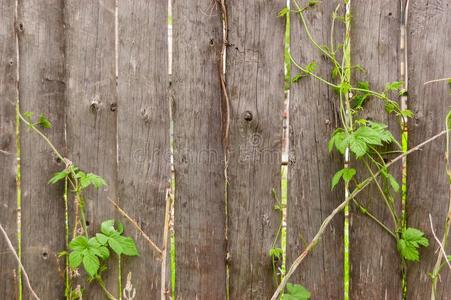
(394, 184)
(58, 176)
(75, 259)
(276, 252)
(44, 122)
(284, 12)
(115, 246)
(410, 242)
(101, 238)
(107, 227)
(311, 67)
(368, 135)
(296, 292)
(407, 113)
(91, 264)
(358, 147)
(394, 86)
(79, 243)
(128, 246)
(361, 96)
(347, 174)
(28, 115)
(336, 178)
(312, 3)
(104, 252)
(93, 179)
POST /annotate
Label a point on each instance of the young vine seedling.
(90, 251)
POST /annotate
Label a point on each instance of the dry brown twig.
(440, 244)
(133, 222)
(338, 209)
(11, 247)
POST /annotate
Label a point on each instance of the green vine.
(359, 140)
(90, 251)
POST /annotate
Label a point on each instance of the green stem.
(66, 228)
(19, 202)
(104, 289)
(310, 73)
(32, 126)
(387, 202)
(365, 211)
(119, 276)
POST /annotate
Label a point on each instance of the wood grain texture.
(313, 108)
(375, 263)
(8, 163)
(143, 131)
(255, 80)
(41, 90)
(91, 101)
(198, 151)
(429, 36)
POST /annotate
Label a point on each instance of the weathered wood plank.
(41, 90)
(375, 263)
(91, 110)
(8, 164)
(429, 36)
(198, 151)
(143, 131)
(255, 83)
(313, 108)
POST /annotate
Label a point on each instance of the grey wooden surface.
(41, 90)
(254, 75)
(8, 163)
(429, 36)
(198, 151)
(90, 120)
(143, 132)
(375, 48)
(313, 109)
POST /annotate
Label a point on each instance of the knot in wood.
(247, 116)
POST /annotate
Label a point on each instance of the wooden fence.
(98, 71)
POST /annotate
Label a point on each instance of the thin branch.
(338, 209)
(437, 80)
(133, 222)
(440, 244)
(11, 247)
(164, 253)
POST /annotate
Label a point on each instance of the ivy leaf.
(410, 242)
(44, 122)
(75, 259)
(58, 176)
(91, 264)
(296, 292)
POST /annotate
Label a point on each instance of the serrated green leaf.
(128, 245)
(75, 259)
(93, 179)
(348, 174)
(358, 147)
(410, 242)
(101, 238)
(276, 252)
(336, 178)
(296, 292)
(394, 184)
(115, 246)
(104, 252)
(79, 243)
(58, 176)
(107, 227)
(44, 122)
(28, 115)
(394, 86)
(91, 264)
